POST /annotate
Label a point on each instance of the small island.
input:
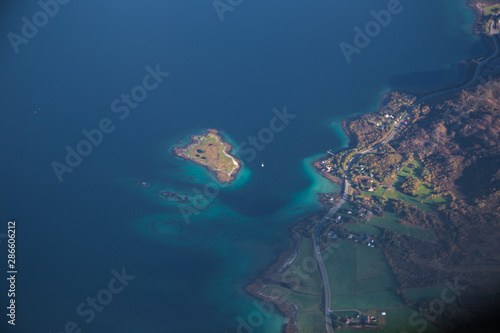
(209, 150)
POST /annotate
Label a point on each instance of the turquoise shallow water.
(228, 75)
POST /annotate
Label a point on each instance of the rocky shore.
(267, 278)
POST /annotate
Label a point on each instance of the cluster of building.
(362, 238)
(328, 168)
(489, 23)
(387, 119)
(361, 321)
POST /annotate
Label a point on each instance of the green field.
(360, 228)
(303, 276)
(370, 262)
(305, 282)
(310, 317)
(390, 221)
(379, 192)
(346, 313)
(311, 321)
(401, 320)
(422, 201)
(424, 193)
(360, 278)
(393, 194)
(340, 265)
(378, 300)
(490, 9)
(384, 282)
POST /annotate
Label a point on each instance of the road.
(479, 67)
(321, 264)
(345, 193)
(347, 184)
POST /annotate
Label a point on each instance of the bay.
(228, 75)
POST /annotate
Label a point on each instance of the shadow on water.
(415, 80)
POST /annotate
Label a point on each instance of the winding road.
(347, 184)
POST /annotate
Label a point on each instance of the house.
(332, 235)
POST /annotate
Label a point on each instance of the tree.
(426, 175)
(410, 186)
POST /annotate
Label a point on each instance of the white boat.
(262, 164)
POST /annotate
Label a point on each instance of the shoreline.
(266, 278)
(286, 258)
(325, 174)
(467, 67)
(180, 152)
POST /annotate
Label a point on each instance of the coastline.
(325, 174)
(222, 176)
(266, 278)
(286, 258)
(467, 67)
(478, 11)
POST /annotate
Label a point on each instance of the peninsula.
(209, 150)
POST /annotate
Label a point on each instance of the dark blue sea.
(185, 273)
